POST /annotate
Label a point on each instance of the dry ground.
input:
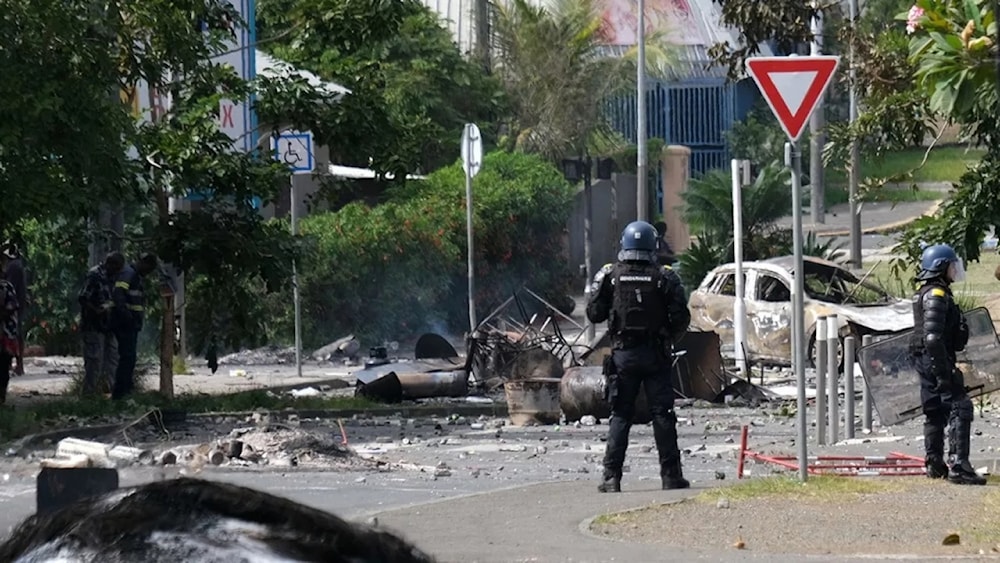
(829, 515)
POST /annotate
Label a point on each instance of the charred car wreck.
(862, 307)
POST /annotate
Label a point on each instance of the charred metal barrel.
(582, 394)
(533, 401)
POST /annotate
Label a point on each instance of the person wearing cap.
(14, 272)
(126, 320)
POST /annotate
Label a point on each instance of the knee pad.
(964, 410)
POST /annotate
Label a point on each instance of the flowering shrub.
(952, 46)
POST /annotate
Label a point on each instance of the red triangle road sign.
(792, 86)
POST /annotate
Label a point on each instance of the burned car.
(862, 307)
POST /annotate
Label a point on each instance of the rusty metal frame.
(895, 464)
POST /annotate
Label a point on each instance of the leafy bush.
(398, 269)
(56, 259)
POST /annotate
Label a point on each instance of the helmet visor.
(956, 271)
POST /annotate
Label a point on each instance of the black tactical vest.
(639, 308)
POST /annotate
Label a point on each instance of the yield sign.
(792, 86)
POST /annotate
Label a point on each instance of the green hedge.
(398, 269)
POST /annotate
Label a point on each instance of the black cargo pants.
(648, 366)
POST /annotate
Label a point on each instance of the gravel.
(913, 516)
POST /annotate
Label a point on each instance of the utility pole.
(641, 183)
(816, 136)
(854, 174)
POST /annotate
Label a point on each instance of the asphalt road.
(482, 459)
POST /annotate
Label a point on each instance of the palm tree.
(558, 72)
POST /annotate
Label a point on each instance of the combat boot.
(963, 474)
(936, 467)
(611, 482)
(671, 477)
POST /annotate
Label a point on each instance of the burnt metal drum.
(895, 385)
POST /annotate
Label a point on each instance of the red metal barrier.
(894, 464)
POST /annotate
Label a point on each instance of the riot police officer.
(646, 309)
(939, 333)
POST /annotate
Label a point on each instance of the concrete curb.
(585, 525)
(94, 431)
(885, 229)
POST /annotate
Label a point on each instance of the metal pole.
(294, 211)
(588, 239)
(821, 363)
(854, 172)
(866, 394)
(642, 184)
(849, 356)
(816, 137)
(794, 160)
(739, 305)
(469, 233)
(833, 377)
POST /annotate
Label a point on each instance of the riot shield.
(895, 384)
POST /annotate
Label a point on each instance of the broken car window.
(772, 290)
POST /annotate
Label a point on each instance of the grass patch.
(985, 526)
(70, 411)
(818, 487)
(837, 194)
(944, 164)
(979, 280)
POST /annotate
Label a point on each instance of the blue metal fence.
(694, 113)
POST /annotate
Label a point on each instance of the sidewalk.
(876, 217)
(532, 523)
(549, 521)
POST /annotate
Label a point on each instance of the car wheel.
(813, 354)
(852, 331)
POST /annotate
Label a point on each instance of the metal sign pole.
(793, 159)
(295, 280)
(739, 305)
(468, 230)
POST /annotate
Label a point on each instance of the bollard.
(849, 357)
(820, 351)
(866, 394)
(833, 377)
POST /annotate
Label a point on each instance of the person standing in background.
(100, 349)
(15, 273)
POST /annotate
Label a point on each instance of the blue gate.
(693, 113)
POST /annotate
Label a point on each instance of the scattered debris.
(98, 454)
(307, 392)
(345, 348)
(267, 355)
(722, 503)
(951, 539)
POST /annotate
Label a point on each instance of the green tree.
(564, 114)
(952, 48)
(412, 90)
(62, 131)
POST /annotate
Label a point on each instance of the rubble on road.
(264, 356)
(73, 452)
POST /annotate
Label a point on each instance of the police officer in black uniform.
(127, 318)
(646, 309)
(939, 333)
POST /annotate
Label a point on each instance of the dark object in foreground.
(57, 488)
(204, 521)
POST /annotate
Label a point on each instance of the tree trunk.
(167, 325)
(167, 348)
